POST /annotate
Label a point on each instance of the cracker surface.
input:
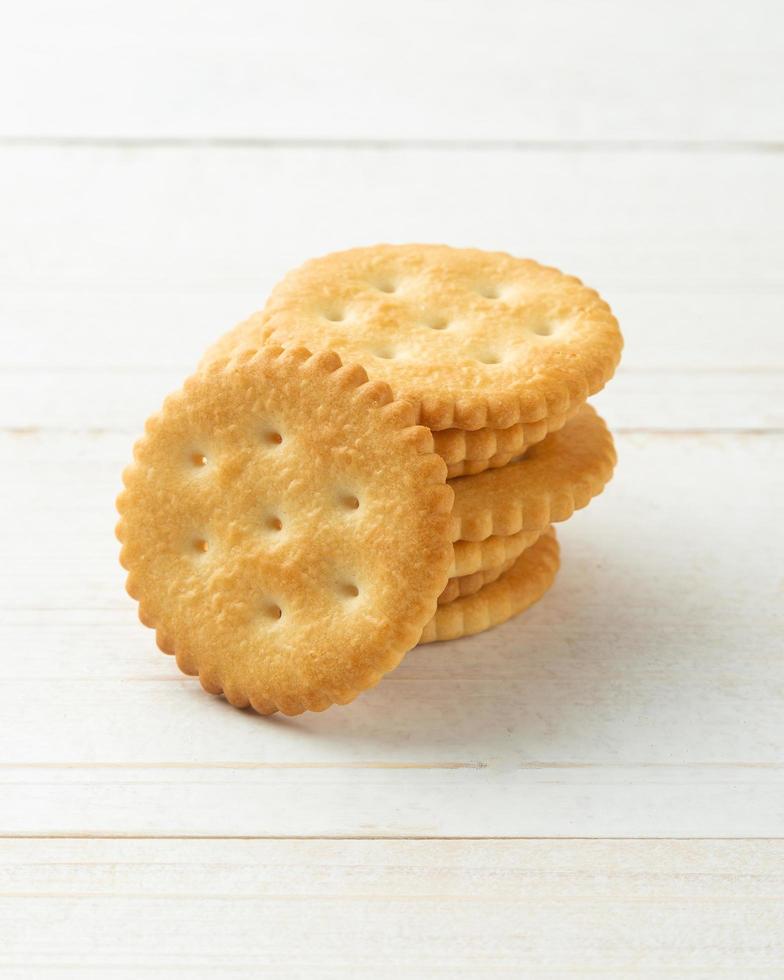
(285, 527)
(474, 339)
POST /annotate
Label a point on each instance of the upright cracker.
(475, 339)
(524, 584)
(557, 476)
(285, 529)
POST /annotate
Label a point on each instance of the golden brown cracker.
(557, 476)
(285, 529)
(467, 452)
(474, 339)
(469, 584)
(524, 584)
(469, 467)
(471, 557)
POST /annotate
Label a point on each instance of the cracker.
(474, 339)
(471, 557)
(469, 584)
(465, 452)
(285, 527)
(249, 333)
(469, 467)
(524, 584)
(557, 476)
(462, 447)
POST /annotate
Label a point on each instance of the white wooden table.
(594, 789)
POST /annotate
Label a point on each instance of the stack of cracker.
(375, 460)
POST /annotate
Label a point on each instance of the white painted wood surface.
(594, 789)
(416, 69)
(620, 706)
(394, 908)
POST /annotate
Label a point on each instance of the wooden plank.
(390, 802)
(641, 697)
(429, 71)
(193, 220)
(413, 908)
(132, 330)
(80, 299)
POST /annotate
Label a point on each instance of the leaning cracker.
(555, 477)
(285, 529)
(474, 339)
(524, 584)
(469, 584)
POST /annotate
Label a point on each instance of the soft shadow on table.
(580, 666)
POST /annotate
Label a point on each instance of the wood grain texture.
(641, 697)
(658, 221)
(604, 69)
(93, 319)
(161, 166)
(336, 908)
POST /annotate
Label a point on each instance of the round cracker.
(467, 452)
(474, 339)
(471, 557)
(285, 526)
(557, 476)
(469, 584)
(468, 467)
(524, 584)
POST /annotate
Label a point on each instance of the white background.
(595, 789)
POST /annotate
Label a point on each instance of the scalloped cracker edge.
(469, 584)
(473, 339)
(556, 477)
(288, 565)
(524, 584)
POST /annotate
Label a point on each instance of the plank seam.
(393, 144)
(76, 836)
